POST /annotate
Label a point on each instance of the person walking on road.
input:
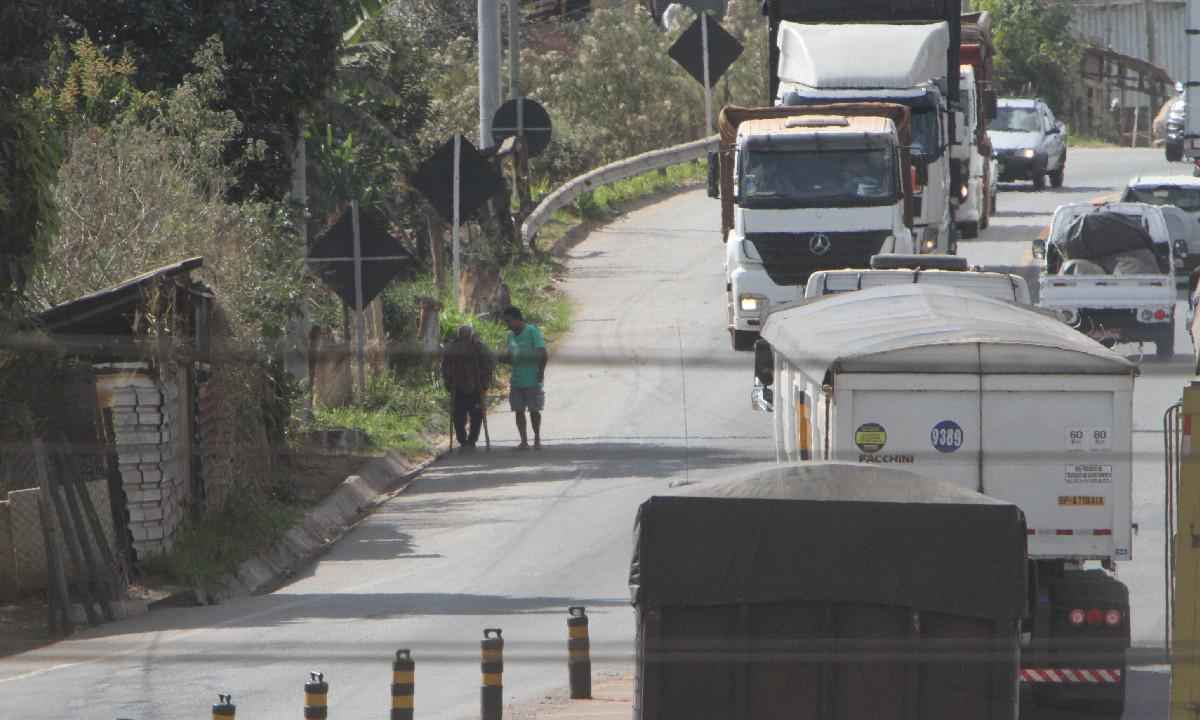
(467, 373)
(527, 354)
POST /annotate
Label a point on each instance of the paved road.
(510, 539)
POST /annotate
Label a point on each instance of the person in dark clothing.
(467, 367)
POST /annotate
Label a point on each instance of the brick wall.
(145, 415)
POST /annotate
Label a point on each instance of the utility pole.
(489, 68)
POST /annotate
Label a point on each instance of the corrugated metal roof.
(821, 56)
(1120, 25)
(928, 329)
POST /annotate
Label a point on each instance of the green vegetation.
(247, 525)
(1087, 141)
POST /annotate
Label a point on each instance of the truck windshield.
(1014, 119)
(1186, 199)
(805, 178)
(925, 134)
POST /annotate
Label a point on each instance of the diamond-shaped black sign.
(375, 242)
(688, 50)
(435, 179)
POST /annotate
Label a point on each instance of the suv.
(1179, 197)
(1028, 142)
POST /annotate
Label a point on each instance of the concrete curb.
(379, 481)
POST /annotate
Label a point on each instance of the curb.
(354, 499)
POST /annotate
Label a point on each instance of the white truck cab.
(809, 192)
(971, 197)
(903, 64)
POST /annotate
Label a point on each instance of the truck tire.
(1164, 346)
(1039, 181)
(985, 212)
(968, 230)
(1174, 152)
(742, 340)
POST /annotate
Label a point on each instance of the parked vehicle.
(806, 189)
(1108, 270)
(756, 598)
(1028, 142)
(1179, 198)
(997, 399)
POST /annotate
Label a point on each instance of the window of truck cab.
(774, 175)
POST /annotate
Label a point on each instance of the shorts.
(522, 399)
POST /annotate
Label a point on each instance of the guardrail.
(620, 170)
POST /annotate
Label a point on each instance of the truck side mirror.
(1039, 249)
(921, 169)
(764, 362)
(714, 175)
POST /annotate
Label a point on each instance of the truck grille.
(789, 258)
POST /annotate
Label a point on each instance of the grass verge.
(1088, 141)
(607, 202)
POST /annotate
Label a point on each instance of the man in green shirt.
(527, 354)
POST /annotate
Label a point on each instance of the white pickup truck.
(940, 270)
(1108, 270)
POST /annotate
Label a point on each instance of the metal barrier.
(620, 170)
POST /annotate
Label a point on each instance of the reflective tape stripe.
(1069, 532)
(493, 655)
(316, 699)
(1093, 676)
(403, 678)
(577, 633)
(492, 679)
(402, 702)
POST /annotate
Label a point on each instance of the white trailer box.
(959, 387)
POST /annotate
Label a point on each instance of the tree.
(281, 56)
(1035, 51)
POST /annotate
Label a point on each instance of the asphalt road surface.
(643, 395)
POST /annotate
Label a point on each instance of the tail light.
(1076, 617)
(1160, 314)
(1095, 616)
(916, 186)
(1112, 618)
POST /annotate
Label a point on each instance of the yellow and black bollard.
(403, 684)
(224, 709)
(579, 654)
(316, 696)
(491, 695)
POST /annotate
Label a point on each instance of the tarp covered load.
(1117, 243)
(830, 56)
(832, 533)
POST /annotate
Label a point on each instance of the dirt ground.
(23, 625)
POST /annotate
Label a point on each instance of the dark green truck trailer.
(828, 591)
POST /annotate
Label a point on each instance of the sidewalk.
(612, 699)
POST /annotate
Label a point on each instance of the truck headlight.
(962, 192)
(751, 304)
(1069, 316)
(1028, 153)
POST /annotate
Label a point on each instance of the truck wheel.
(1174, 152)
(1039, 181)
(1164, 346)
(969, 230)
(742, 340)
(1056, 177)
(985, 212)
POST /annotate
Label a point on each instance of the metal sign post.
(708, 129)
(360, 325)
(456, 249)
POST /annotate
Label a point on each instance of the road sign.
(382, 256)
(435, 179)
(688, 50)
(535, 120)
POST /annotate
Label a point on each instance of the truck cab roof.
(816, 126)
(995, 285)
